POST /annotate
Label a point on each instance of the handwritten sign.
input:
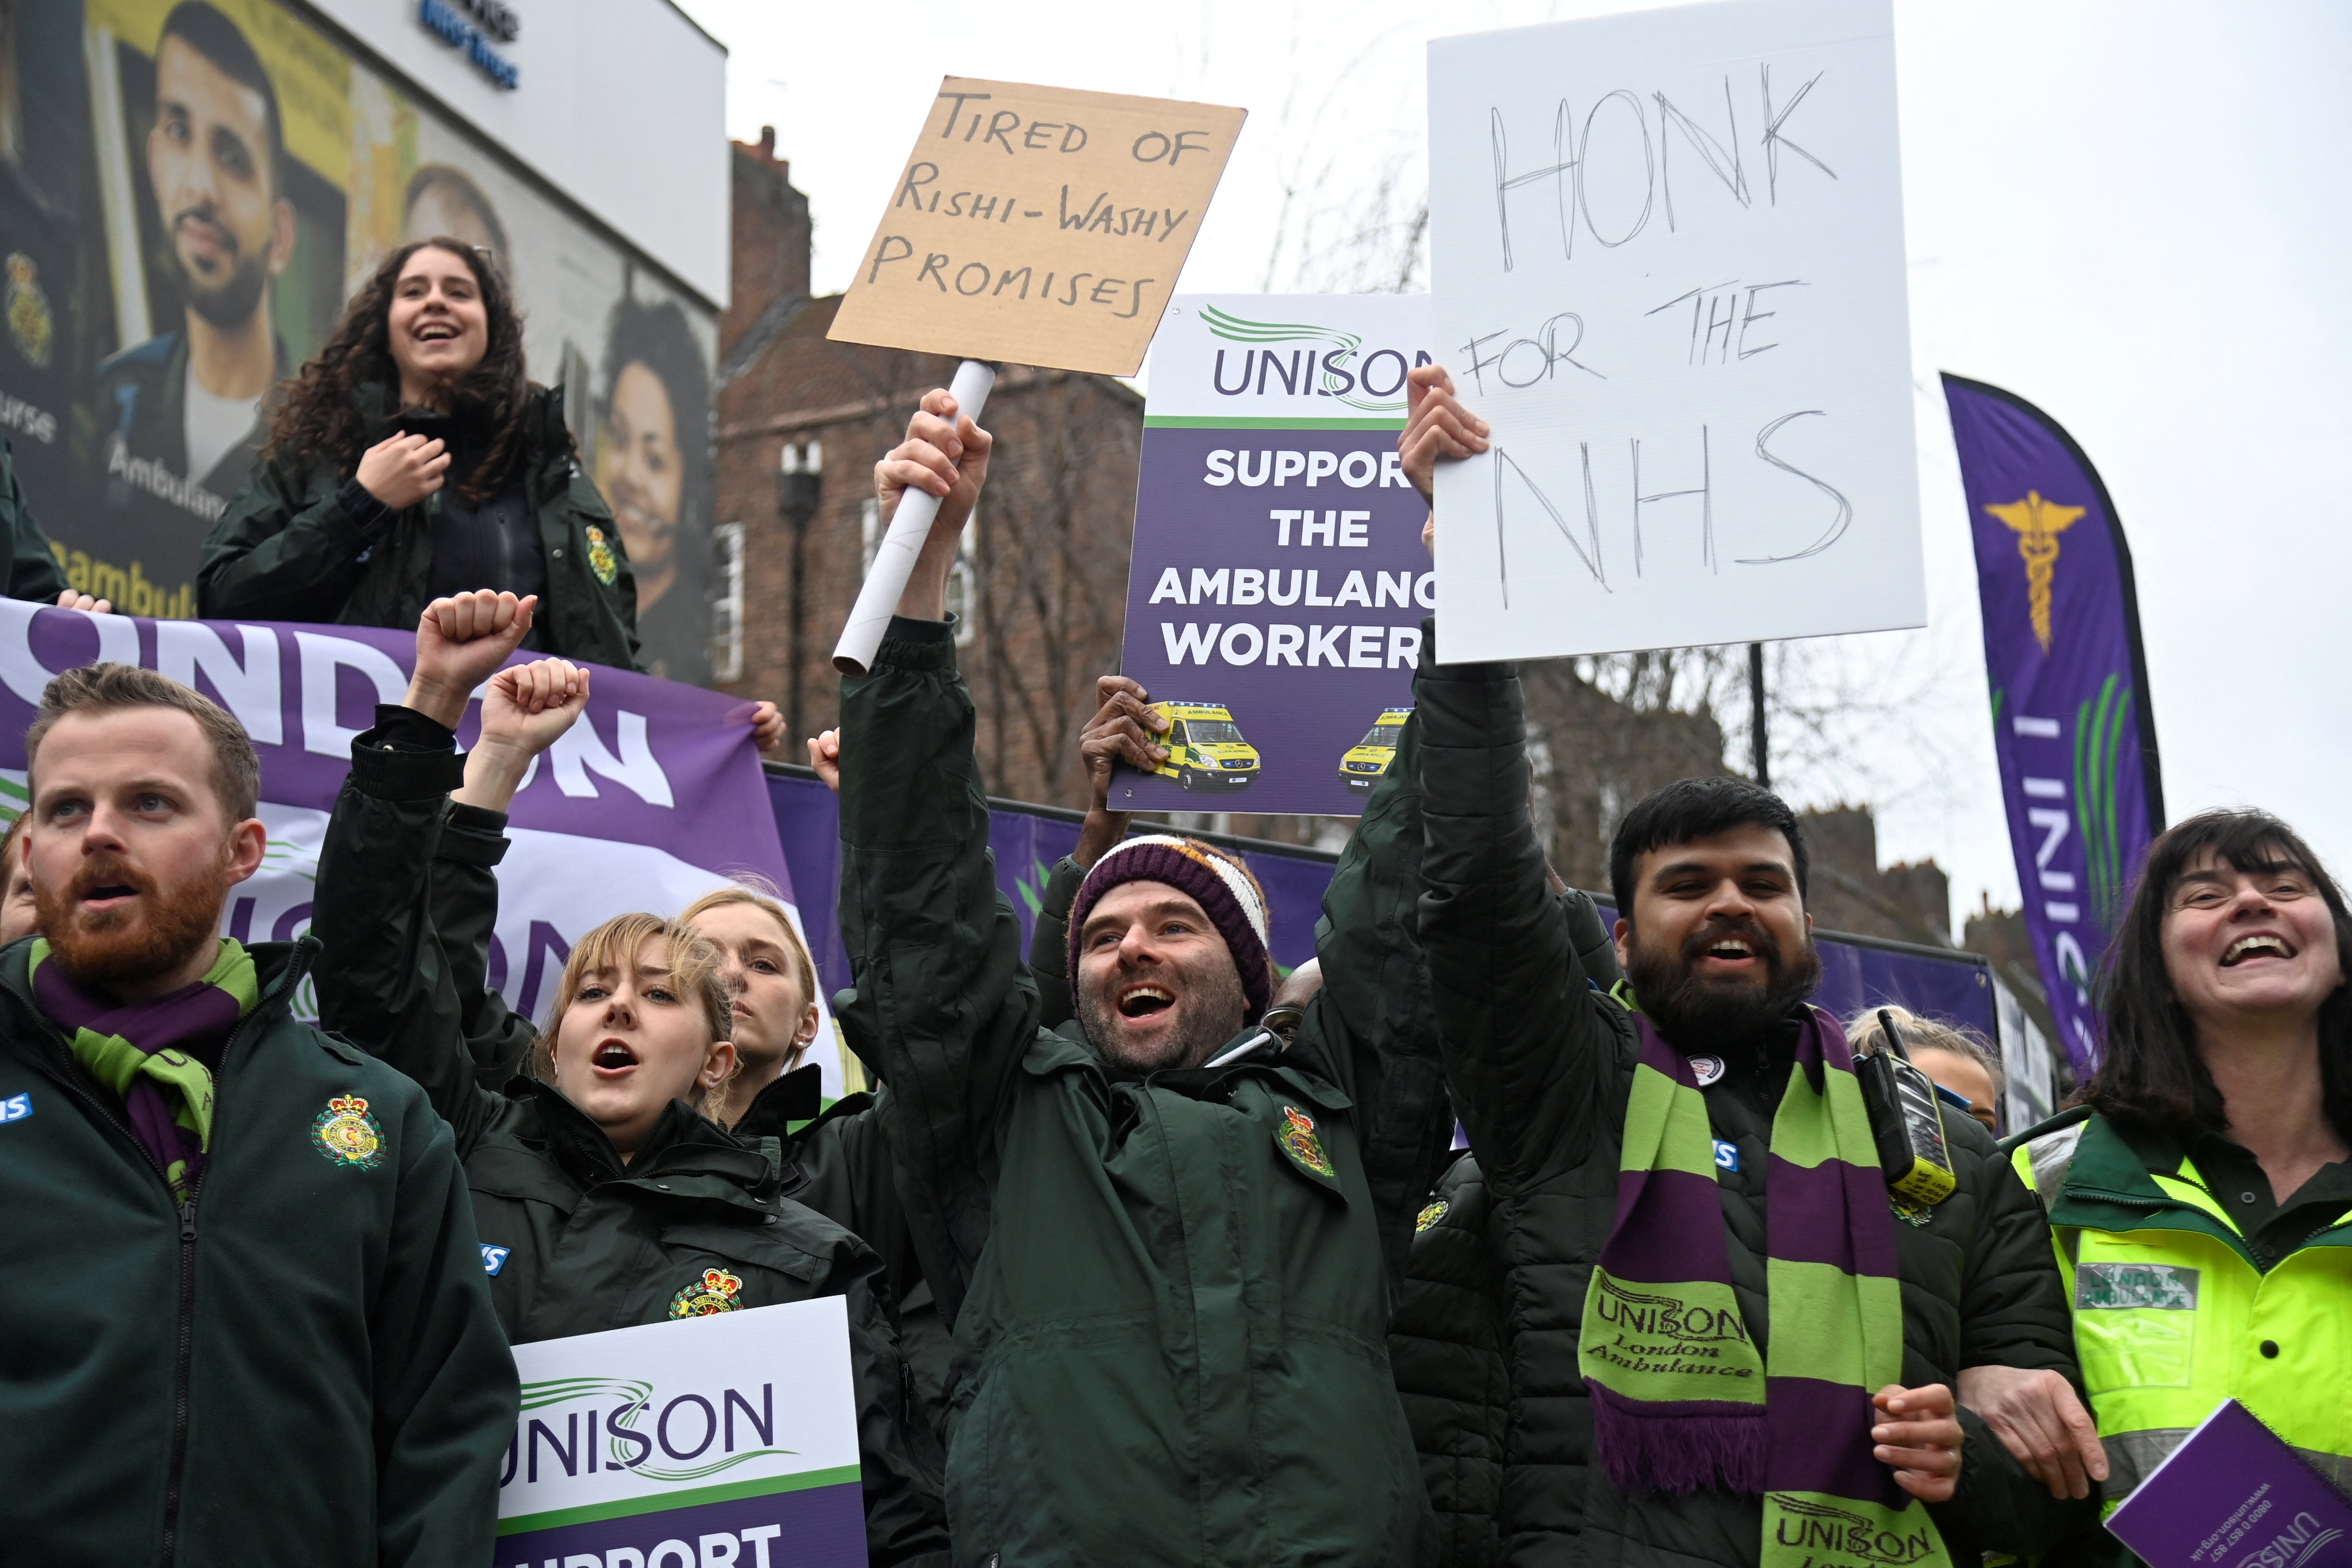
(1668, 270)
(1040, 226)
(1277, 585)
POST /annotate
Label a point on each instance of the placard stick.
(894, 563)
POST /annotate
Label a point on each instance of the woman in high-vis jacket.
(2201, 1200)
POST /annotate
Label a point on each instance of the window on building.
(870, 530)
(727, 603)
(963, 583)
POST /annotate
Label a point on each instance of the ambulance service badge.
(1298, 1140)
(347, 1135)
(716, 1292)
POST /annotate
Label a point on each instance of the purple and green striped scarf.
(144, 1052)
(1681, 1400)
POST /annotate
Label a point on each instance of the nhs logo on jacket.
(741, 1424)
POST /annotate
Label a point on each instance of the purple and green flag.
(2071, 724)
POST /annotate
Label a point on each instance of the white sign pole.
(894, 563)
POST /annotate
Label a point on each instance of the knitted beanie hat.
(1217, 881)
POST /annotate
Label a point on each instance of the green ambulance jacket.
(286, 551)
(1170, 1295)
(301, 1366)
(576, 1240)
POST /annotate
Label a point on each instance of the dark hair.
(2152, 1075)
(1698, 808)
(658, 337)
(205, 29)
(321, 416)
(430, 176)
(116, 687)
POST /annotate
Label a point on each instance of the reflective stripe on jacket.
(2173, 1314)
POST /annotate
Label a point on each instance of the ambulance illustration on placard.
(1362, 767)
(1205, 749)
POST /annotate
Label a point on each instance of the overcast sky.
(2134, 215)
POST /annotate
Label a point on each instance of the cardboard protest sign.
(1278, 581)
(617, 816)
(1667, 269)
(731, 1437)
(1039, 224)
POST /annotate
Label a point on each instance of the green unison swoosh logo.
(1238, 330)
(638, 1395)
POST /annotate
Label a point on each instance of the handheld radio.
(1906, 1121)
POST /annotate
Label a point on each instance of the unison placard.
(1278, 581)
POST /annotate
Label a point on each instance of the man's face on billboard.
(215, 189)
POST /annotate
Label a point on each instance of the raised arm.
(1372, 1022)
(1123, 730)
(940, 992)
(1532, 1051)
(388, 984)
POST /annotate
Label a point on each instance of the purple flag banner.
(2071, 724)
(653, 798)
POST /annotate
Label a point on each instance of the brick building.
(1042, 584)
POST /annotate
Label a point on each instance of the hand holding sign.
(1035, 225)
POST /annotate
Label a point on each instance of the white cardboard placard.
(1668, 270)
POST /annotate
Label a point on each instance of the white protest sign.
(729, 1439)
(1667, 269)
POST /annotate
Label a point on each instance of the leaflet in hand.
(2234, 1496)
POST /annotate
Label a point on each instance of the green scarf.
(147, 1052)
(1682, 1401)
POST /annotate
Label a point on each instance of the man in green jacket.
(244, 1317)
(1160, 1237)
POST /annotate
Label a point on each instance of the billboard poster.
(1278, 581)
(190, 190)
(731, 1436)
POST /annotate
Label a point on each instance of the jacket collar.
(1065, 1049)
(379, 405)
(685, 1156)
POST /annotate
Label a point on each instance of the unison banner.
(729, 1437)
(653, 798)
(2071, 720)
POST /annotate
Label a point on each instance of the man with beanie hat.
(1163, 1239)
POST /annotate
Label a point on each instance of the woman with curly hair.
(414, 458)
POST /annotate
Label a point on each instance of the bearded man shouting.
(1740, 1336)
(244, 1317)
(1163, 1237)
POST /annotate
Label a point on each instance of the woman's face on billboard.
(643, 479)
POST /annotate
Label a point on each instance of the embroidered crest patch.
(347, 1135)
(714, 1292)
(1298, 1140)
(600, 560)
(1429, 1215)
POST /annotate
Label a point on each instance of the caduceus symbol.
(2038, 523)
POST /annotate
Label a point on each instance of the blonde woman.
(603, 1193)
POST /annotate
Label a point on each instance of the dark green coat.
(1172, 1336)
(592, 1242)
(1541, 1066)
(1503, 1461)
(300, 1366)
(287, 551)
(33, 570)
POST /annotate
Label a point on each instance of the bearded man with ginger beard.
(247, 1243)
